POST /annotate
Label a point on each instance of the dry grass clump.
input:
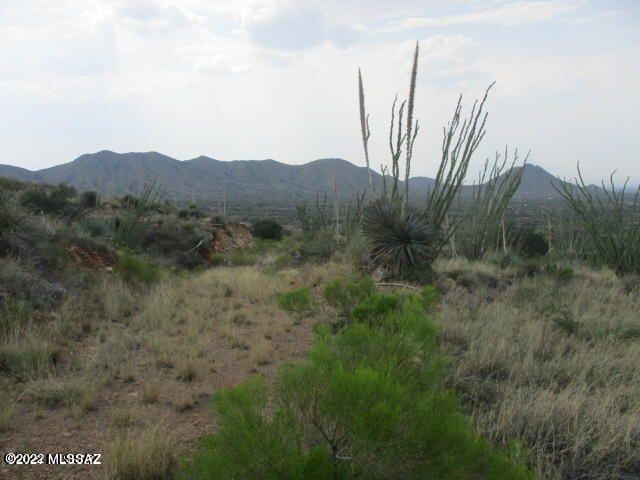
(140, 455)
(556, 365)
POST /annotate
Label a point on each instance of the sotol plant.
(404, 239)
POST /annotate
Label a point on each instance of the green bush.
(267, 229)
(368, 404)
(88, 199)
(531, 244)
(296, 301)
(50, 200)
(240, 258)
(343, 295)
(136, 268)
(217, 260)
(320, 246)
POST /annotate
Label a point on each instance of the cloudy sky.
(253, 79)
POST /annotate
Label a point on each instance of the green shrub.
(296, 301)
(367, 404)
(50, 200)
(240, 258)
(344, 295)
(531, 244)
(374, 306)
(320, 246)
(88, 199)
(136, 268)
(267, 229)
(217, 260)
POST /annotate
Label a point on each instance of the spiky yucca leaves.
(400, 244)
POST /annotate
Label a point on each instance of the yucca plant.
(427, 224)
(400, 242)
(130, 227)
(611, 219)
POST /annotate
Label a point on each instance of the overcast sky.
(254, 79)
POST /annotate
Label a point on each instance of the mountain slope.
(205, 178)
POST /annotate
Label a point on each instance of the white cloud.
(448, 58)
(505, 14)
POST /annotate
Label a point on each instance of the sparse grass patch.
(545, 362)
(147, 454)
(297, 301)
(125, 417)
(32, 358)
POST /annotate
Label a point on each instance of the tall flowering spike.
(410, 133)
(364, 126)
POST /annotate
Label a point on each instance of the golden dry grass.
(553, 363)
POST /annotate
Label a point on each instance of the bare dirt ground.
(165, 382)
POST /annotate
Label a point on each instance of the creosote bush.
(132, 267)
(267, 229)
(367, 404)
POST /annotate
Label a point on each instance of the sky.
(255, 79)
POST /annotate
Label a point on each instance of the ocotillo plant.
(480, 227)
(404, 244)
(611, 219)
(311, 222)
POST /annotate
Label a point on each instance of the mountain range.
(207, 179)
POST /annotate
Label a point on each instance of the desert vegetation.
(376, 338)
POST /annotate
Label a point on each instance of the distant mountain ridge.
(205, 178)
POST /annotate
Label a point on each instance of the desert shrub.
(367, 404)
(218, 220)
(296, 301)
(316, 220)
(12, 185)
(16, 225)
(88, 199)
(136, 268)
(50, 200)
(179, 242)
(343, 295)
(133, 222)
(480, 227)
(217, 259)
(240, 258)
(21, 284)
(267, 229)
(96, 227)
(374, 307)
(610, 219)
(504, 259)
(320, 247)
(530, 244)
